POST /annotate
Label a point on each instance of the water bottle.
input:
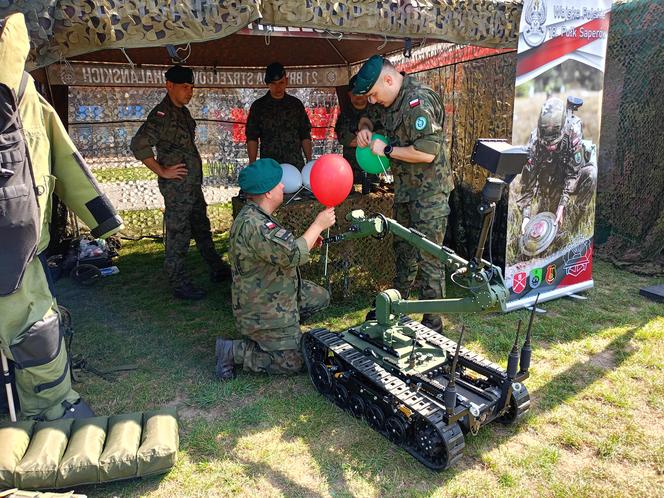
(111, 270)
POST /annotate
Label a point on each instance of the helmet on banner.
(551, 121)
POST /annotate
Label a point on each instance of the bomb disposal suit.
(37, 159)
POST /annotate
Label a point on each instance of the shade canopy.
(218, 33)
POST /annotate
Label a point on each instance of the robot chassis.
(420, 389)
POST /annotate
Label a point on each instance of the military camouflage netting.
(68, 28)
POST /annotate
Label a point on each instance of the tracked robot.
(422, 390)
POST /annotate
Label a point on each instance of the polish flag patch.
(414, 103)
(160, 114)
(269, 225)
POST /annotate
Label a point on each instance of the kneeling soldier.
(269, 297)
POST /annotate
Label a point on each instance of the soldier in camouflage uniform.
(346, 129)
(269, 298)
(278, 120)
(171, 130)
(413, 123)
(558, 165)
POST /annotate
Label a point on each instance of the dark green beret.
(260, 176)
(180, 74)
(351, 82)
(368, 75)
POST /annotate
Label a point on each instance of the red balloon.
(331, 179)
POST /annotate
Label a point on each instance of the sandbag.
(68, 453)
(14, 441)
(159, 443)
(118, 461)
(39, 466)
(80, 463)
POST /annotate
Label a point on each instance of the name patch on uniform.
(414, 102)
(160, 114)
(282, 234)
(420, 123)
(269, 225)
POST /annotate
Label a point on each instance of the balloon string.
(327, 248)
(380, 160)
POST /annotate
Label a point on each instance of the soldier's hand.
(363, 138)
(325, 218)
(175, 172)
(378, 147)
(524, 223)
(560, 212)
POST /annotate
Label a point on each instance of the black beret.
(274, 72)
(180, 74)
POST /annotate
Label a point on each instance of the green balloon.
(370, 162)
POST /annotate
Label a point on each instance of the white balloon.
(291, 178)
(306, 174)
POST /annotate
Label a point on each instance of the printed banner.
(557, 110)
(97, 75)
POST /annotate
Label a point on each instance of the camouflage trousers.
(429, 216)
(277, 351)
(185, 216)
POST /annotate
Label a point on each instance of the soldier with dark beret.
(413, 123)
(346, 129)
(170, 130)
(269, 297)
(279, 122)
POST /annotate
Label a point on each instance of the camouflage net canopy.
(68, 28)
(630, 196)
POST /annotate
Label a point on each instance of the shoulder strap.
(21, 88)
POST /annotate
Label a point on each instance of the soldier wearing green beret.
(170, 129)
(269, 297)
(279, 122)
(413, 123)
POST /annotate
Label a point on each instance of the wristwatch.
(388, 150)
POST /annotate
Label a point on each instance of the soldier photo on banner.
(557, 109)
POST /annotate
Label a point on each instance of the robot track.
(409, 418)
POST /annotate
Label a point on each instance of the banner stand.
(557, 109)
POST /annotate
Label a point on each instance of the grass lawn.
(596, 427)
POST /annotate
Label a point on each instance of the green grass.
(139, 173)
(596, 427)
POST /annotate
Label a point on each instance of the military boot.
(225, 368)
(433, 322)
(188, 291)
(221, 274)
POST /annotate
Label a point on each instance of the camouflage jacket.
(551, 175)
(280, 125)
(264, 259)
(171, 130)
(416, 118)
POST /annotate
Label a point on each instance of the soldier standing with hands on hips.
(171, 130)
(413, 122)
(269, 298)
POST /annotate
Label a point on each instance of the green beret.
(368, 75)
(179, 74)
(260, 176)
